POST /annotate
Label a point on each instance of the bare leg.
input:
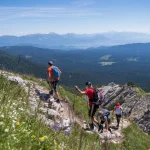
(95, 120)
(56, 95)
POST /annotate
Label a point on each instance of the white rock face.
(18, 80)
(52, 112)
(66, 123)
(135, 107)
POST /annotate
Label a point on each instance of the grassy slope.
(19, 130)
(135, 139)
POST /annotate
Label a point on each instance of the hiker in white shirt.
(118, 111)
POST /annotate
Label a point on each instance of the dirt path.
(62, 112)
(65, 111)
(63, 107)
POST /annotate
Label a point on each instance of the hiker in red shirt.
(92, 107)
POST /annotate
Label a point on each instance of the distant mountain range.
(74, 41)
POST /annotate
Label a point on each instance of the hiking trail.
(59, 116)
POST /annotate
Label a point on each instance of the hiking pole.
(59, 97)
(122, 122)
(73, 108)
(50, 86)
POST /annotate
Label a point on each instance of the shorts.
(118, 116)
(55, 85)
(106, 118)
(93, 110)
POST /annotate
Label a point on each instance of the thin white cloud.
(45, 12)
(83, 2)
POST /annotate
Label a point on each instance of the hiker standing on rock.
(118, 111)
(53, 78)
(90, 92)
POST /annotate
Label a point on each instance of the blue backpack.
(56, 72)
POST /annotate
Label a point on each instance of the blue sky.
(19, 17)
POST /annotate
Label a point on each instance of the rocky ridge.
(135, 103)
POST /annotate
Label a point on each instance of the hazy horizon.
(36, 33)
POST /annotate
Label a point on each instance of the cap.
(101, 113)
(50, 63)
(118, 105)
(88, 83)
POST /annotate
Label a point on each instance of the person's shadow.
(43, 96)
(114, 127)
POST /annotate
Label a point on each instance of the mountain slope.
(100, 65)
(135, 102)
(27, 125)
(22, 127)
(20, 65)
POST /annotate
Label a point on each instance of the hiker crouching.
(92, 96)
(105, 120)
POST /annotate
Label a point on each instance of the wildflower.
(2, 116)
(43, 138)
(17, 123)
(13, 126)
(24, 131)
(33, 136)
(66, 132)
(55, 127)
(6, 130)
(1, 123)
(14, 104)
(14, 121)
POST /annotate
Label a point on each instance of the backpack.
(106, 113)
(55, 72)
(98, 97)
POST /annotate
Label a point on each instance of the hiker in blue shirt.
(104, 116)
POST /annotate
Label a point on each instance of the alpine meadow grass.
(21, 130)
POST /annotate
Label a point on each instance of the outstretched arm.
(80, 91)
(121, 110)
(106, 125)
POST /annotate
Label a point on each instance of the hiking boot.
(91, 125)
(101, 131)
(58, 101)
(51, 92)
(110, 130)
(100, 127)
